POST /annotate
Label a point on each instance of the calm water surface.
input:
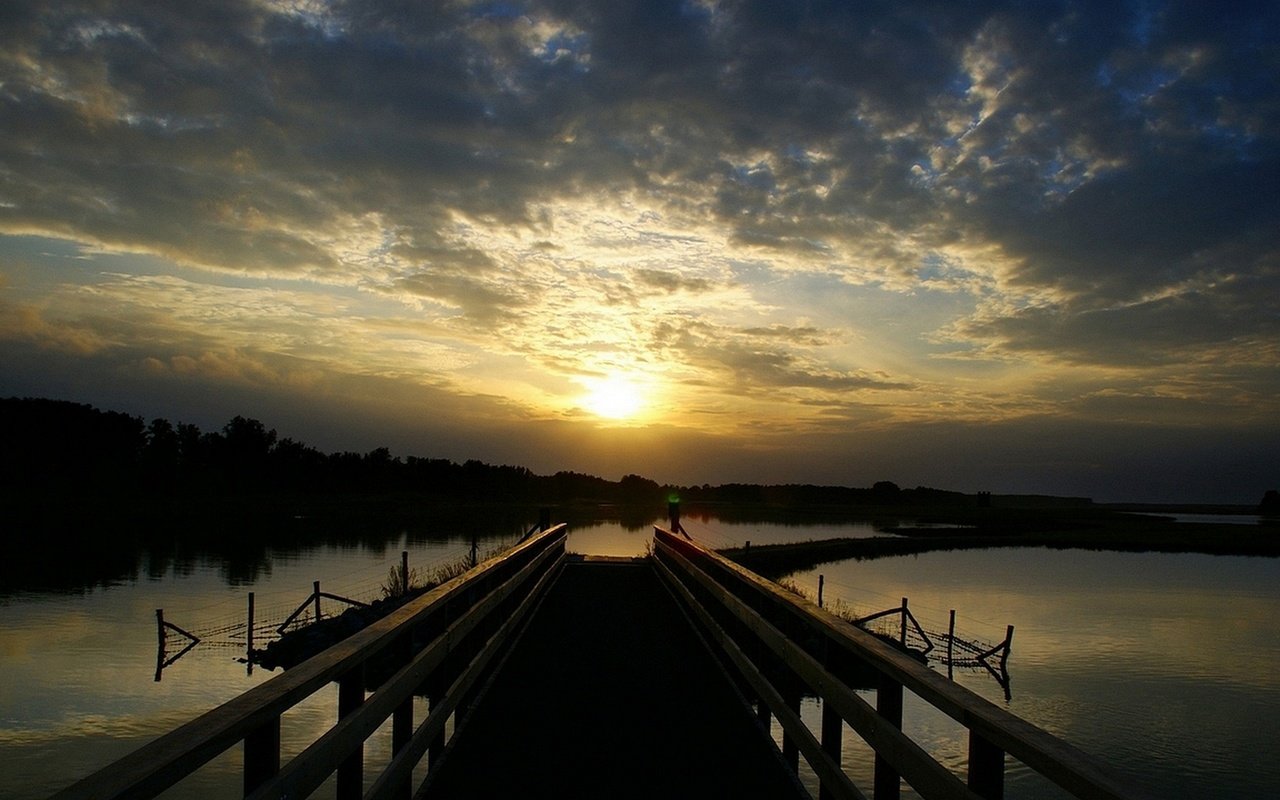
(1162, 664)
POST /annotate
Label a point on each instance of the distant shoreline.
(1104, 533)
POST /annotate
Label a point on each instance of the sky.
(1018, 247)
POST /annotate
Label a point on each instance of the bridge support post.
(436, 747)
(790, 750)
(261, 755)
(402, 717)
(986, 767)
(351, 770)
(887, 782)
(832, 731)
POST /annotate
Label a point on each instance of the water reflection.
(1163, 663)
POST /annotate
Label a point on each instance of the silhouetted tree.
(638, 490)
(1270, 505)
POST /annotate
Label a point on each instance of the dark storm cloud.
(1181, 328)
(1107, 153)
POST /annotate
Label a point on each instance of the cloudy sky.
(1028, 247)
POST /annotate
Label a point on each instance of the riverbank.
(966, 530)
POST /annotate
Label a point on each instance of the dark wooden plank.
(609, 693)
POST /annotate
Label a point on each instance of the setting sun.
(613, 397)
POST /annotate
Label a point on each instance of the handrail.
(741, 596)
(254, 716)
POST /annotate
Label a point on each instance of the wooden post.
(261, 755)
(402, 717)
(902, 634)
(673, 514)
(316, 586)
(544, 519)
(404, 570)
(351, 770)
(1008, 644)
(887, 782)
(986, 767)
(951, 638)
(435, 749)
(832, 730)
(474, 550)
(160, 643)
(248, 639)
(821, 581)
(791, 750)
(746, 550)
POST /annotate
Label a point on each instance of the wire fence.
(941, 647)
(266, 617)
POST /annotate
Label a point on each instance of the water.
(1161, 663)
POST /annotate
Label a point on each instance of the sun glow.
(613, 398)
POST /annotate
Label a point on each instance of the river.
(1164, 665)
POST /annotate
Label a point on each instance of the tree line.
(53, 447)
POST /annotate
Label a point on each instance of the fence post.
(544, 519)
(316, 587)
(160, 643)
(404, 570)
(474, 550)
(821, 581)
(248, 639)
(951, 639)
(902, 635)
(1008, 644)
(673, 514)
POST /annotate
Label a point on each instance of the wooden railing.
(442, 643)
(779, 646)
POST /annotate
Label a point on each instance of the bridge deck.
(609, 693)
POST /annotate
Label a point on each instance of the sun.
(613, 398)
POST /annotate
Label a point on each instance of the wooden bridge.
(593, 677)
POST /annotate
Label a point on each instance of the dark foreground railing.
(440, 644)
(779, 646)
